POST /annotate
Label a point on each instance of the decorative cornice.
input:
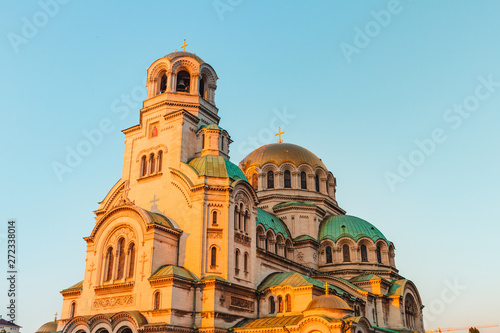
(114, 288)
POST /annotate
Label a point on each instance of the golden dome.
(328, 302)
(49, 327)
(279, 153)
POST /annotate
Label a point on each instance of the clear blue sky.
(358, 102)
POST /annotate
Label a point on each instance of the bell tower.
(183, 80)
(180, 100)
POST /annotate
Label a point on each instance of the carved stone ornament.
(242, 304)
(113, 301)
(242, 239)
(215, 234)
(123, 231)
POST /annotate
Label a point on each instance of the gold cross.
(326, 288)
(279, 135)
(55, 319)
(184, 46)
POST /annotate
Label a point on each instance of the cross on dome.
(279, 135)
(326, 288)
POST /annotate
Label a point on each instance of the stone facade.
(188, 241)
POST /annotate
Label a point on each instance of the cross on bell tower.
(184, 46)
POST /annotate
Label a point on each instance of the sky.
(400, 99)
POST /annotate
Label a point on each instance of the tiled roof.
(303, 238)
(271, 221)
(366, 277)
(293, 279)
(77, 286)
(160, 219)
(4, 322)
(269, 322)
(397, 287)
(173, 271)
(294, 203)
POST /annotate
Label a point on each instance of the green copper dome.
(271, 221)
(216, 166)
(338, 226)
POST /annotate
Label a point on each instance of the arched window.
(121, 258)
(183, 81)
(328, 251)
(163, 83)
(379, 255)
(236, 217)
(346, 252)
(214, 217)
(410, 312)
(109, 264)
(276, 246)
(245, 221)
(202, 89)
(213, 257)
(255, 181)
(272, 305)
(156, 301)
(203, 141)
(391, 256)
(72, 310)
(237, 261)
(303, 180)
(151, 163)
(280, 304)
(288, 303)
(288, 249)
(288, 179)
(144, 166)
(241, 218)
(316, 181)
(160, 160)
(270, 179)
(131, 263)
(364, 253)
(245, 262)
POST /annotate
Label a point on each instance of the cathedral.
(188, 241)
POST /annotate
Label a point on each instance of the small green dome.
(338, 226)
(216, 166)
(271, 221)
